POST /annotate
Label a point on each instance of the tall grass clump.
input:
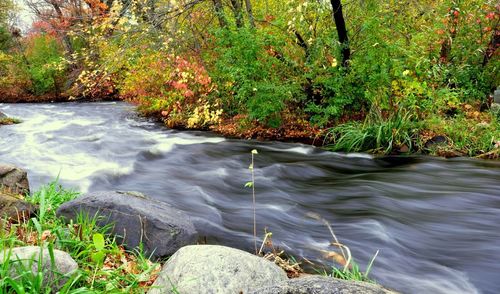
(375, 134)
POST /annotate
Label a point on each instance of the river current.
(436, 222)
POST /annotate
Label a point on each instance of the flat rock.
(55, 274)
(14, 208)
(322, 285)
(212, 269)
(135, 219)
(14, 179)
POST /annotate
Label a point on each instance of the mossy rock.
(12, 207)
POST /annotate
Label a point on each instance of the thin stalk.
(253, 199)
(369, 268)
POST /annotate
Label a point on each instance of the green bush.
(44, 56)
(253, 75)
(5, 38)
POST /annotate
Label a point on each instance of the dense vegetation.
(383, 76)
(104, 265)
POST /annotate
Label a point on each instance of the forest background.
(360, 75)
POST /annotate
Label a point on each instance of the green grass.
(376, 134)
(468, 136)
(104, 266)
(469, 133)
(352, 271)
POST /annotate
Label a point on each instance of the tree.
(219, 11)
(6, 7)
(338, 17)
(248, 5)
(493, 44)
(238, 14)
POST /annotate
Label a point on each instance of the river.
(436, 222)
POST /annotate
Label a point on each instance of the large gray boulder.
(14, 208)
(322, 285)
(135, 219)
(14, 179)
(212, 269)
(55, 274)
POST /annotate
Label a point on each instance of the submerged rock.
(13, 208)
(322, 285)
(14, 179)
(135, 219)
(214, 269)
(55, 273)
(2, 115)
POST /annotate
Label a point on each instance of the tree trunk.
(492, 46)
(248, 5)
(238, 15)
(444, 54)
(64, 35)
(338, 17)
(219, 10)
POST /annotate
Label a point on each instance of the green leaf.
(37, 225)
(98, 240)
(98, 257)
(248, 185)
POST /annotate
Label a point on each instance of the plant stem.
(254, 209)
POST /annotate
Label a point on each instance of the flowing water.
(436, 222)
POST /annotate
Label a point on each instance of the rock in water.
(55, 274)
(212, 269)
(322, 285)
(135, 219)
(14, 208)
(14, 179)
(2, 115)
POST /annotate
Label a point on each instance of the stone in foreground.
(212, 269)
(55, 274)
(14, 179)
(322, 285)
(136, 219)
(13, 208)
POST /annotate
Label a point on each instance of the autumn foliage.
(197, 64)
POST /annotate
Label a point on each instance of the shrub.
(253, 75)
(175, 87)
(44, 56)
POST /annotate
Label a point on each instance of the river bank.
(466, 130)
